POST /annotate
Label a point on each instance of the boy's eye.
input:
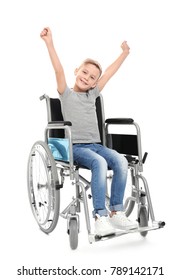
(92, 77)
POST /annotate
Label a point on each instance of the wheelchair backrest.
(55, 114)
(128, 144)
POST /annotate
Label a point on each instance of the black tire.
(42, 180)
(73, 233)
(143, 219)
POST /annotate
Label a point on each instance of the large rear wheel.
(43, 190)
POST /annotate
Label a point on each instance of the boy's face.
(87, 76)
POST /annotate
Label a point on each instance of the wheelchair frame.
(46, 177)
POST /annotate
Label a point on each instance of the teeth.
(83, 82)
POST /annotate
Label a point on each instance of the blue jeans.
(98, 158)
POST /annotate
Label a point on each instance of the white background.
(146, 88)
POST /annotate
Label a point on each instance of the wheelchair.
(51, 161)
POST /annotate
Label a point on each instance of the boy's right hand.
(46, 34)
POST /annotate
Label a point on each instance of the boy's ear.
(75, 71)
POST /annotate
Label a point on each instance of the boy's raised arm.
(46, 35)
(113, 68)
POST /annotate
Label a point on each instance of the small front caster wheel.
(143, 219)
(73, 233)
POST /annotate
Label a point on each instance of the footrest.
(161, 224)
(154, 226)
(100, 237)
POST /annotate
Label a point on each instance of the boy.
(78, 106)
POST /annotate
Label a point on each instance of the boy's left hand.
(125, 46)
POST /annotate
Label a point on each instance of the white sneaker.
(120, 221)
(103, 226)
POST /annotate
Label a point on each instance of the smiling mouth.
(83, 82)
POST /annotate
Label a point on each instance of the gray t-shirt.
(79, 108)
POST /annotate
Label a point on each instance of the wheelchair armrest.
(60, 123)
(119, 121)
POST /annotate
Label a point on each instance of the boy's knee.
(121, 162)
(124, 161)
(100, 163)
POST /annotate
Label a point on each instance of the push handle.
(43, 96)
(144, 157)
